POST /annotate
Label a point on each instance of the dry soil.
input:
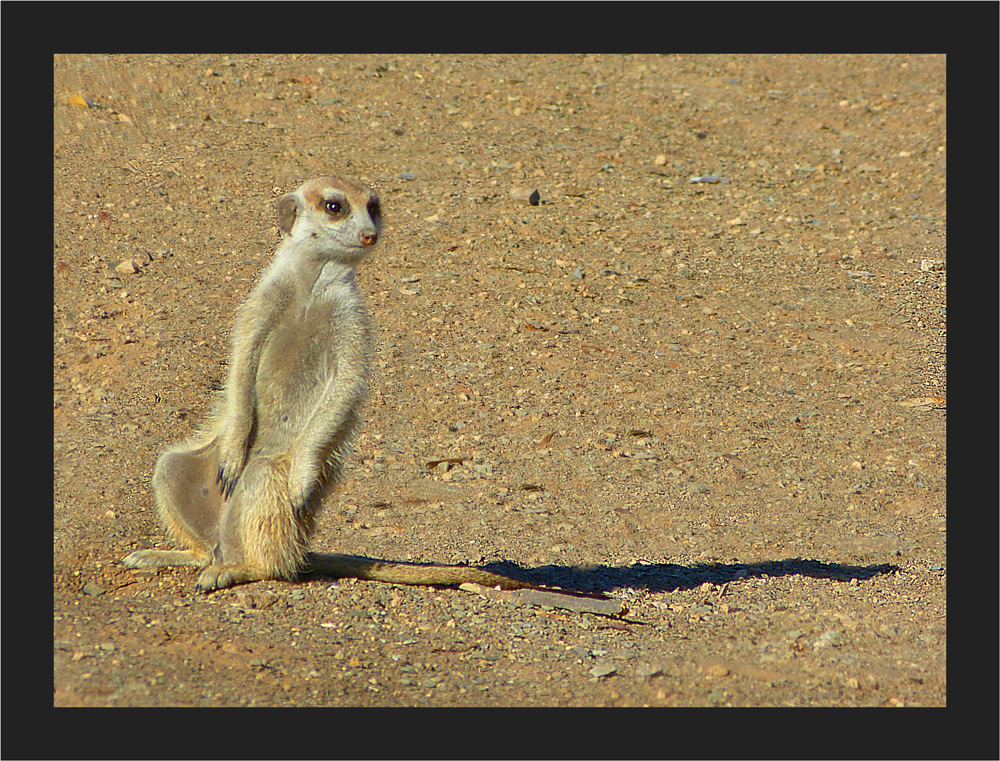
(704, 374)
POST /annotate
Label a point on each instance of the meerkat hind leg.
(261, 536)
(190, 505)
(166, 558)
(222, 575)
(189, 496)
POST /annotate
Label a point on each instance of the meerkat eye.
(333, 207)
(374, 210)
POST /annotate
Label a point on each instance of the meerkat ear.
(288, 208)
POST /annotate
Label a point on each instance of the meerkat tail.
(397, 572)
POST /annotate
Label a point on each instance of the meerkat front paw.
(226, 481)
(301, 483)
(234, 446)
(232, 460)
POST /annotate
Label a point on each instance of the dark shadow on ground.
(662, 577)
(669, 577)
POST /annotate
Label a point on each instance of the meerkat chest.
(299, 359)
(299, 354)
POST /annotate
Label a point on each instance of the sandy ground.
(722, 402)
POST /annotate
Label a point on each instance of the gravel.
(777, 532)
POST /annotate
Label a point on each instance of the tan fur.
(242, 495)
(429, 574)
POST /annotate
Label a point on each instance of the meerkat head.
(331, 218)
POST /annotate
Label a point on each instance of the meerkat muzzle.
(369, 239)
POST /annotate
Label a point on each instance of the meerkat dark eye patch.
(374, 209)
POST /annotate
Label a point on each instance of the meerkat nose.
(369, 239)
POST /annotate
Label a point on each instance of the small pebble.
(530, 197)
(931, 265)
(603, 668)
(648, 671)
(826, 639)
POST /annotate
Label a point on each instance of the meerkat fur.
(241, 496)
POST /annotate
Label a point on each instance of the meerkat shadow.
(669, 577)
(593, 580)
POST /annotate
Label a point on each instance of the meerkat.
(242, 495)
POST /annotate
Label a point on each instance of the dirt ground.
(719, 400)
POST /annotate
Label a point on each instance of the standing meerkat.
(242, 495)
